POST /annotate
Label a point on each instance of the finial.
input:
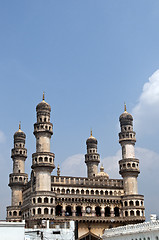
(58, 171)
(124, 106)
(43, 96)
(20, 127)
(91, 132)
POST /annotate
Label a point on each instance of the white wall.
(12, 230)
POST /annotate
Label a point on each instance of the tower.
(92, 158)
(18, 179)
(42, 165)
(133, 205)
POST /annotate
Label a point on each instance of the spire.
(20, 127)
(91, 132)
(43, 96)
(124, 107)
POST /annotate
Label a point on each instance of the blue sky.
(89, 57)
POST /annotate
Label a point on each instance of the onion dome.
(102, 173)
(43, 106)
(125, 118)
(91, 139)
(19, 133)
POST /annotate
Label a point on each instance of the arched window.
(51, 210)
(39, 210)
(33, 211)
(46, 211)
(92, 192)
(39, 200)
(116, 212)
(10, 213)
(137, 203)
(111, 193)
(138, 213)
(78, 211)
(72, 191)
(46, 159)
(68, 211)
(107, 212)
(133, 165)
(87, 191)
(14, 213)
(68, 191)
(126, 213)
(63, 190)
(51, 200)
(101, 192)
(131, 213)
(45, 200)
(34, 200)
(106, 192)
(131, 203)
(77, 191)
(40, 159)
(125, 203)
(98, 211)
(58, 210)
(82, 191)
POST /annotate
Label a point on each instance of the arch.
(107, 212)
(138, 213)
(101, 192)
(68, 191)
(51, 200)
(77, 191)
(46, 200)
(78, 211)
(92, 192)
(20, 179)
(106, 192)
(39, 200)
(51, 210)
(98, 211)
(46, 211)
(126, 203)
(33, 211)
(50, 159)
(46, 159)
(137, 203)
(72, 191)
(87, 191)
(96, 192)
(131, 203)
(131, 213)
(40, 159)
(10, 213)
(58, 210)
(133, 165)
(39, 210)
(126, 213)
(63, 190)
(34, 201)
(68, 211)
(14, 213)
(116, 212)
(82, 191)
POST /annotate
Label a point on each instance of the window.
(116, 212)
(39, 210)
(46, 211)
(39, 200)
(107, 212)
(98, 211)
(45, 200)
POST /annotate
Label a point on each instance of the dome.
(91, 139)
(102, 173)
(43, 105)
(125, 116)
(19, 133)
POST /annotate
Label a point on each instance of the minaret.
(18, 178)
(132, 202)
(43, 159)
(92, 158)
(43, 199)
(129, 165)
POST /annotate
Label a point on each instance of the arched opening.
(40, 159)
(77, 191)
(72, 191)
(63, 190)
(14, 213)
(82, 191)
(137, 203)
(98, 211)
(39, 210)
(125, 203)
(33, 200)
(39, 200)
(51, 200)
(51, 210)
(92, 192)
(116, 212)
(138, 213)
(126, 213)
(68, 191)
(46, 211)
(46, 159)
(107, 212)
(78, 211)
(106, 192)
(10, 213)
(68, 211)
(20, 213)
(58, 210)
(131, 213)
(33, 211)
(101, 192)
(45, 200)
(87, 191)
(97, 192)
(131, 203)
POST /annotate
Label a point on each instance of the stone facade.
(95, 202)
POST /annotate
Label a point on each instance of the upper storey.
(43, 125)
(126, 124)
